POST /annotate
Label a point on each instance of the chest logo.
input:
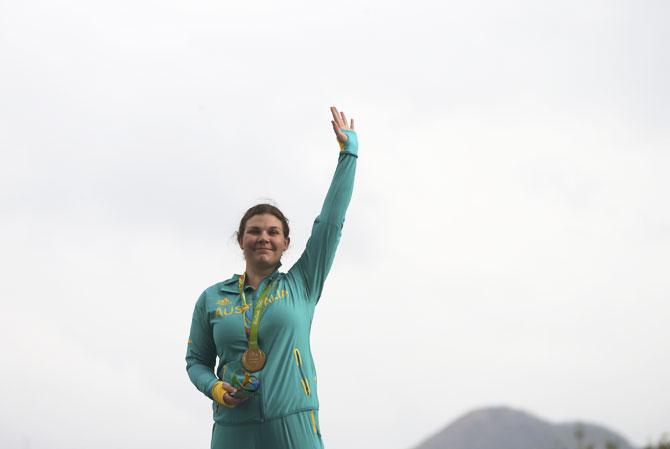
(230, 309)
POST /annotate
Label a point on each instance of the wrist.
(351, 145)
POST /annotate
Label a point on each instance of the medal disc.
(253, 359)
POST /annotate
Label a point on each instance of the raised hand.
(340, 123)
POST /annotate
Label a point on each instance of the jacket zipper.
(261, 404)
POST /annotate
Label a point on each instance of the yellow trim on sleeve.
(218, 392)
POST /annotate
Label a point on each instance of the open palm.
(340, 123)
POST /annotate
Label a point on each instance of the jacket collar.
(230, 285)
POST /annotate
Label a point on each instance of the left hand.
(223, 392)
(340, 123)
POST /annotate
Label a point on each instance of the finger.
(228, 397)
(229, 400)
(229, 388)
(352, 124)
(336, 116)
(344, 120)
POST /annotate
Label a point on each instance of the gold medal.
(253, 359)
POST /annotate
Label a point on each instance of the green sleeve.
(315, 262)
(201, 351)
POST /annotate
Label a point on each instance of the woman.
(258, 324)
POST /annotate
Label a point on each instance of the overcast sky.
(508, 242)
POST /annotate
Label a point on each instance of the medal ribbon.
(252, 330)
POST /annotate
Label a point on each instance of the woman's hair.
(260, 209)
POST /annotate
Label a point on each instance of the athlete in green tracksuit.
(283, 412)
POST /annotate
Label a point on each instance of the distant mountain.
(505, 428)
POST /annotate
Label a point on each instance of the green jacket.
(288, 379)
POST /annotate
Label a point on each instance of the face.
(263, 241)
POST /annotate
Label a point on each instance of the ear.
(239, 239)
(287, 240)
